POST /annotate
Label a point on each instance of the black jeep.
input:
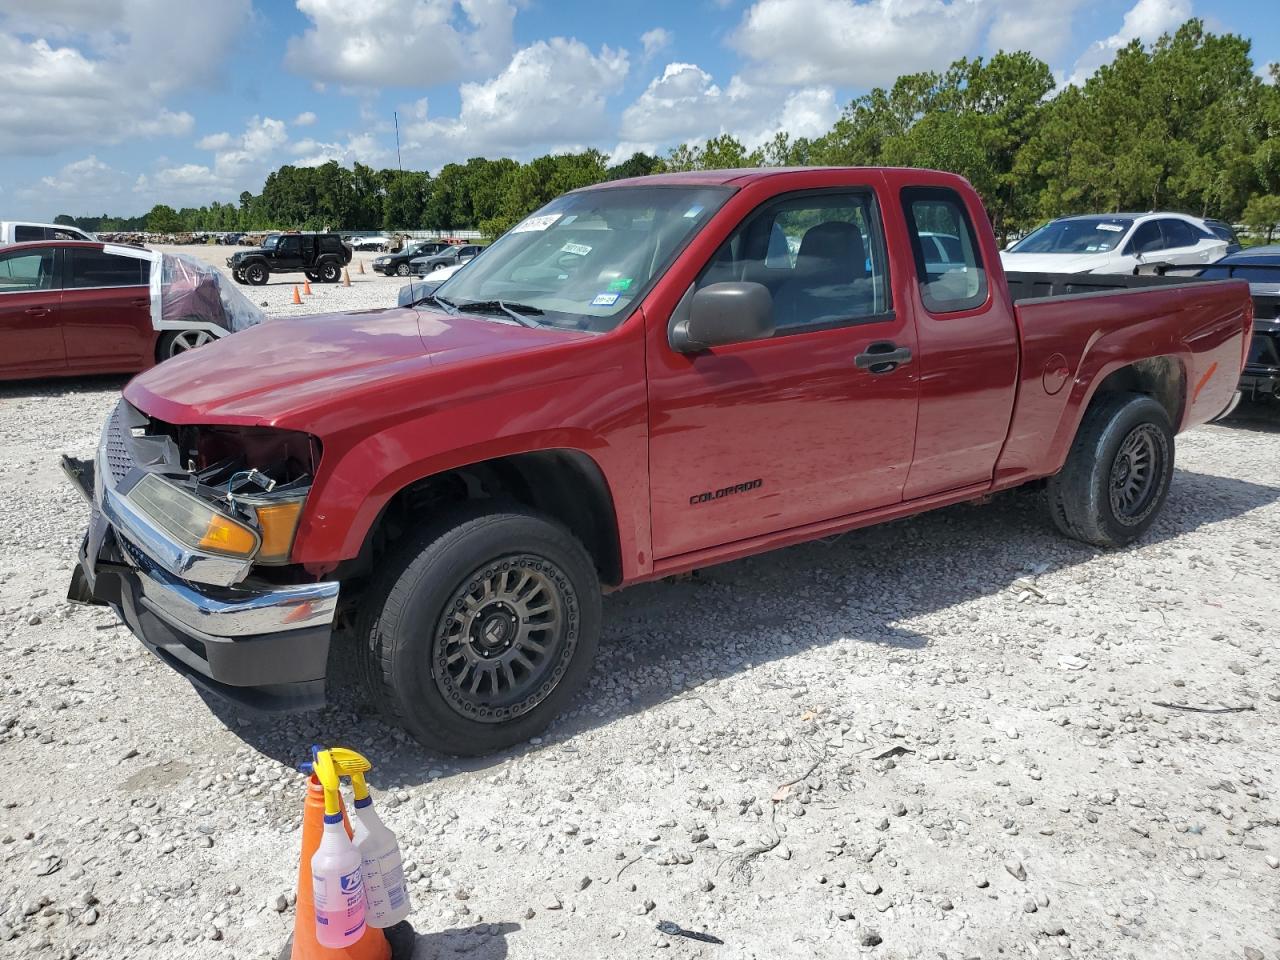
(321, 256)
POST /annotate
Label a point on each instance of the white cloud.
(856, 44)
(401, 42)
(363, 147)
(655, 41)
(304, 119)
(551, 95)
(215, 141)
(1043, 29)
(99, 73)
(685, 103)
(1146, 20)
(87, 184)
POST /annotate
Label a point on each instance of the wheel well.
(1161, 378)
(564, 484)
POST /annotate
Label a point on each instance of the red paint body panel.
(398, 395)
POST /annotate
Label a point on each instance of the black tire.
(1117, 475)
(312, 275)
(330, 272)
(415, 624)
(238, 276)
(402, 270)
(257, 274)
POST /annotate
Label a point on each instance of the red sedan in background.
(72, 307)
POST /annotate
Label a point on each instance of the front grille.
(118, 460)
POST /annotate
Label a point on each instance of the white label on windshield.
(535, 223)
(605, 300)
(1112, 227)
(577, 249)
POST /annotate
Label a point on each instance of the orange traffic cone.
(296, 299)
(306, 287)
(303, 944)
(362, 268)
(346, 278)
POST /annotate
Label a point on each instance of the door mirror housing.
(720, 314)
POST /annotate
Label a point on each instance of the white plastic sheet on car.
(192, 293)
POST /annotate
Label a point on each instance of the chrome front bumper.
(260, 645)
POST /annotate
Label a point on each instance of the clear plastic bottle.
(386, 896)
(337, 887)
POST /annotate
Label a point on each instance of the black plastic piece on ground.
(675, 930)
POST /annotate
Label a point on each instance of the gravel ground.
(950, 737)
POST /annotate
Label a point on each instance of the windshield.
(1075, 235)
(585, 259)
(270, 242)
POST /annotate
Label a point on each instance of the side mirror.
(720, 314)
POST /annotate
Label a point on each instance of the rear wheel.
(175, 342)
(330, 272)
(480, 631)
(1117, 474)
(257, 274)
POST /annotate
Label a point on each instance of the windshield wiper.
(449, 305)
(519, 312)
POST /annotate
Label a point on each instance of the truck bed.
(1076, 329)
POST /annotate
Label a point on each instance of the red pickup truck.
(642, 378)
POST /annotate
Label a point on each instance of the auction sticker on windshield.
(1114, 228)
(535, 223)
(619, 285)
(578, 249)
(605, 300)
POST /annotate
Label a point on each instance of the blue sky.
(114, 105)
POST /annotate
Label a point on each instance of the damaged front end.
(189, 540)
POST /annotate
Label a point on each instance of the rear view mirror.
(720, 314)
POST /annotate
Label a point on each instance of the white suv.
(1114, 243)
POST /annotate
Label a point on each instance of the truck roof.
(746, 175)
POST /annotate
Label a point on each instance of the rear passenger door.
(754, 438)
(106, 311)
(30, 309)
(1184, 244)
(288, 253)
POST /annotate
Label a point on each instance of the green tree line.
(1182, 124)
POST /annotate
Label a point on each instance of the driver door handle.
(883, 356)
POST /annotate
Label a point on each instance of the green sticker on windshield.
(617, 286)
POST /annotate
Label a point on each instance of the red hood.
(288, 365)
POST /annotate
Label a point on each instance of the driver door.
(754, 438)
(30, 313)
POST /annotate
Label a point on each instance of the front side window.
(820, 255)
(96, 268)
(585, 259)
(26, 271)
(271, 242)
(948, 262)
(289, 246)
(1146, 238)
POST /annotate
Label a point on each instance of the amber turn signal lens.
(227, 536)
(278, 522)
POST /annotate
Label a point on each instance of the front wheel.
(402, 270)
(312, 275)
(1117, 474)
(256, 274)
(480, 631)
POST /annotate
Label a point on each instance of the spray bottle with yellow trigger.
(385, 891)
(336, 881)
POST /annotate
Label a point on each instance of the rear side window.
(27, 234)
(96, 268)
(1179, 233)
(945, 245)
